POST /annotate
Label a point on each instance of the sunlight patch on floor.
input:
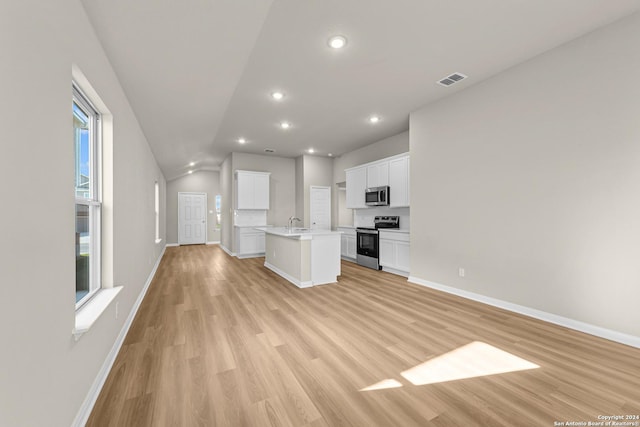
(476, 359)
(383, 385)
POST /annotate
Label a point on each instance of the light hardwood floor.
(225, 342)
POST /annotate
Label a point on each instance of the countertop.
(394, 230)
(296, 233)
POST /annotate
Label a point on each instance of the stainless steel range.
(368, 241)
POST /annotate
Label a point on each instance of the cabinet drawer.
(395, 236)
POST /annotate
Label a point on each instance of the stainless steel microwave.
(377, 196)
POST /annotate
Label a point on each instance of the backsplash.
(364, 217)
(249, 217)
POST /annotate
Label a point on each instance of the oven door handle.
(367, 231)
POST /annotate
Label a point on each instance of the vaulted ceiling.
(199, 73)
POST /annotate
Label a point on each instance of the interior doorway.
(192, 218)
(320, 207)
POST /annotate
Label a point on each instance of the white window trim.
(87, 315)
(157, 211)
(94, 200)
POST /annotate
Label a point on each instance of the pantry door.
(320, 207)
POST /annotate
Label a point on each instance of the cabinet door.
(356, 186)
(260, 245)
(351, 246)
(343, 245)
(399, 182)
(403, 256)
(247, 243)
(378, 174)
(244, 193)
(261, 191)
(387, 253)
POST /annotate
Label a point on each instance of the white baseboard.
(577, 325)
(171, 245)
(287, 276)
(243, 256)
(394, 271)
(346, 258)
(217, 242)
(98, 383)
(224, 248)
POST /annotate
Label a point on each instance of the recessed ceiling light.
(374, 119)
(337, 42)
(311, 151)
(241, 140)
(330, 154)
(190, 172)
(285, 125)
(192, 164)
(277, 95)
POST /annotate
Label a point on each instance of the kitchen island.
(302, 256)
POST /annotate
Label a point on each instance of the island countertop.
(296, 233)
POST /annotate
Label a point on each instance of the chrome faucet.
(291, 219)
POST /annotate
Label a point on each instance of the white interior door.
(192, 218)
(320, 207)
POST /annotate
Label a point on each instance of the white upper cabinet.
(356, 186)
(378, 174)
(392, 171)
(399, 182)
(252, 190)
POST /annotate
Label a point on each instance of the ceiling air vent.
(453, 78)
(269, 150)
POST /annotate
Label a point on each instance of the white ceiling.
(199, 73)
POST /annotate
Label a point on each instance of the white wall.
(300, 188)
(226, 186)
(531, 182)
(396, 144)
(311, 171)
(345, 215)
(45, 374)
(198, 182)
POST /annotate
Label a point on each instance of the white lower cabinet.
(348, 243)
(394, 251)
(250, 242)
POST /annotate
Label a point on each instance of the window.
(218, 209)
(86, 139)
(157, 208)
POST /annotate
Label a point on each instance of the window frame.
(94, 201)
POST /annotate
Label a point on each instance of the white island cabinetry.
(305, 258)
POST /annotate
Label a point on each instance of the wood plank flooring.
(220, 341)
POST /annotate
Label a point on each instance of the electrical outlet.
(461, 272)
(117, 310)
